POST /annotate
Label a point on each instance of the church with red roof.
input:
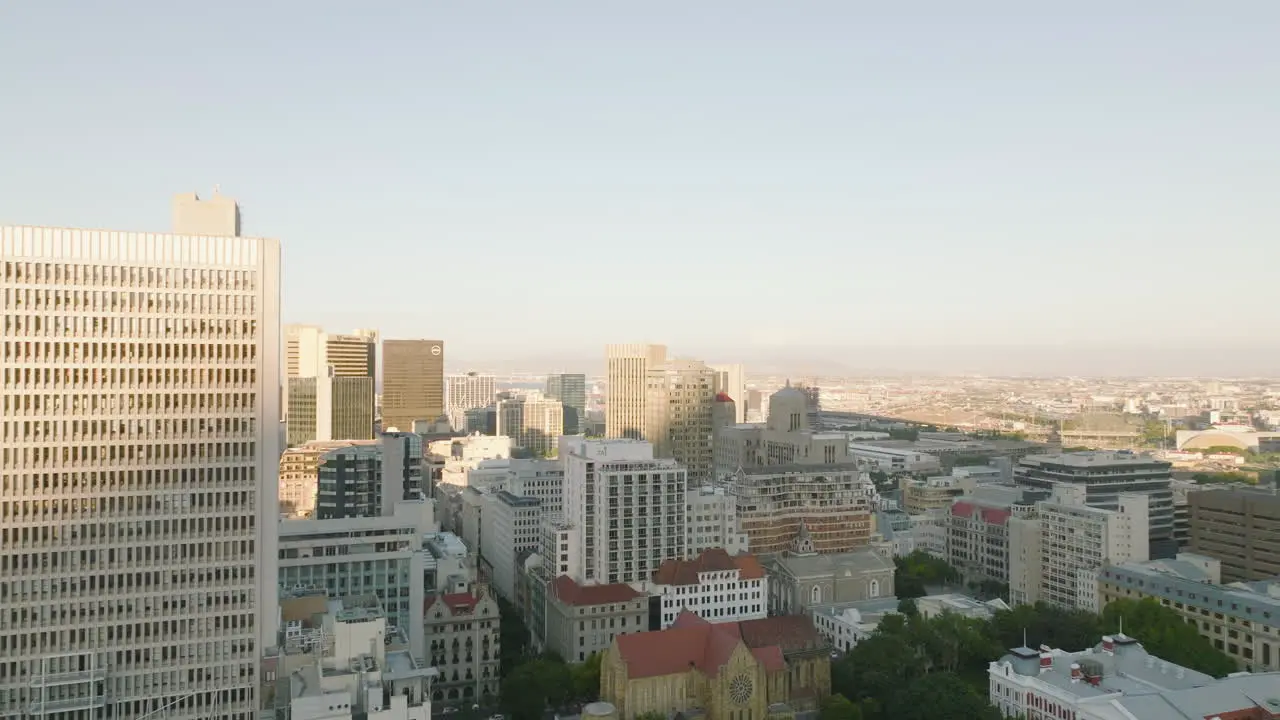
(754, 669)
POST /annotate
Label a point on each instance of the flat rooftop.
(1092, 459)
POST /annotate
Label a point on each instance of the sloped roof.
(571, 593)
(685, 572)
(789, 633)
(692, 642)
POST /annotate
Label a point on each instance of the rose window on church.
(740, 689)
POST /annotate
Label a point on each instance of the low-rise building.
(771, 668)
(802, 578)
(1119, 680)
(584, 619)
(1241, 619)
(933, 493)
(378, 556)
(715, 585)
(300, 475)
(888, 459)
(844, 625)
(338, 659)
(931, 606)
(462, 633)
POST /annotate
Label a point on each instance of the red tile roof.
(692, 642)
(571, 593)
(685, 572)
(723, 397)
(990, 515)
(790, 633)
(462, 603)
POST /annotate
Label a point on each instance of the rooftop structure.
(1119, 680)
(1242, 618)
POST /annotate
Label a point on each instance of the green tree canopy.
(586, 678)
(839, 707)
(534, 686)
(939, 696)
(1164, 633)
(1043, 624)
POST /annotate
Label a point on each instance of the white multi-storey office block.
(139, 442)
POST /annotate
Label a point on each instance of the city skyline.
(1043, 179)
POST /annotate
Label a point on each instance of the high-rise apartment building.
(412, 382)
(678, 408)
(329, 391)
(732, 381)
(571, 390)
(627, 372)
(533, 422)
(627, 509)
(1056, 549)
(1104, 476)
(139, 418)
(470, 391)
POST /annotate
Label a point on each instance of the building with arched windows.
(803, 578)
(767, 669)
(462, 639)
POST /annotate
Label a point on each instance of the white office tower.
(628, 509)
(140, 438)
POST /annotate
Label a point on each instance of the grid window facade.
(138, 417)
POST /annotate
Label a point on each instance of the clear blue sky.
(714, 174)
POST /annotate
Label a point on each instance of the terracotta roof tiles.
(685, 572)
(571, 593)
(692, 642)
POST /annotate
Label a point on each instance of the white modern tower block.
(139, 444)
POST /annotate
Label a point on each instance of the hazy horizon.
(994, 185)
(1042, 361)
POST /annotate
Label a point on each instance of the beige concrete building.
(802, 579)
(678, 407)
(412, 382)
(774, 503)
(627, 373)
(217, 215)
(300, 473)
(533, 422)
(1242, 619)
(329, 384)
(1241, 528)
(584, 619)
(339, 659)
(139, 447)
(462, 631)
(784, 439)
(933, 493)
(731, 379)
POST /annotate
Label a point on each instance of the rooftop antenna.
(217, 189)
